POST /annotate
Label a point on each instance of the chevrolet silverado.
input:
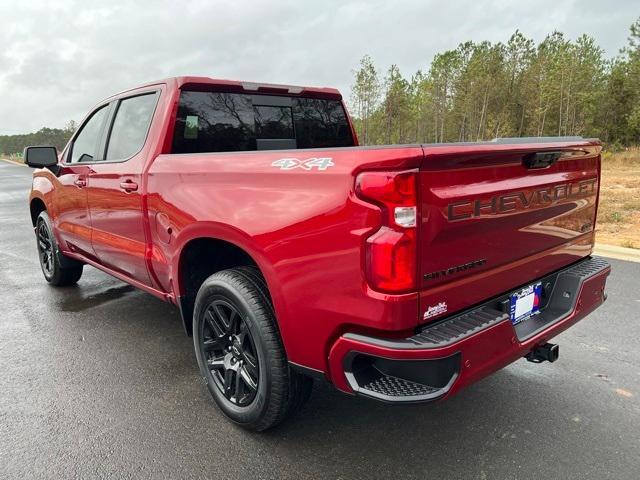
(399, 273)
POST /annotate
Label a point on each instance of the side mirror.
(41, 157)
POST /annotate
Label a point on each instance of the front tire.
(240, 353)
(57, 269)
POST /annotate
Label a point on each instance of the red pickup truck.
(399, 273)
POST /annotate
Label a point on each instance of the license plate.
(525, 303)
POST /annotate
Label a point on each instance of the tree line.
(58, 137)
(485, 90)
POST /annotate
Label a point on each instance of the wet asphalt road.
(99, 381)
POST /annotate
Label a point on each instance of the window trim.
(112, 119)
(67, 156)
(105, 133)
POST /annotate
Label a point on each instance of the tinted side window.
(130, 126)
(225, 122)
(85, 145)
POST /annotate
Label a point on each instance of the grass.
(619, 211)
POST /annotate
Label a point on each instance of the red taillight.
(390, 257)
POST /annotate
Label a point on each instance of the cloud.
(58, 59)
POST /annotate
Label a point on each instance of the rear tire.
(57, 269)
(240, 352)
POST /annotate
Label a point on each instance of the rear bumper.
(446, 356)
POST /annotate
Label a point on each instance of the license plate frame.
(525, 303)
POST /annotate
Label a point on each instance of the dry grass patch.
(619, 211)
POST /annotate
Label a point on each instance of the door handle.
(129, 186)
(80, 182)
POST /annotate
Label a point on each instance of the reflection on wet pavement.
(75, 301)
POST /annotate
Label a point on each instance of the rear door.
(115, 189)
(498, 215)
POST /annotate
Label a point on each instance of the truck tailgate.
(498, 215)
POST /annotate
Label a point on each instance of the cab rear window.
(227, 122)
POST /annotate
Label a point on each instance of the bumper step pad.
(588, 268)
(401, 380)
(443, 333)
(398, 387)
(458, 327)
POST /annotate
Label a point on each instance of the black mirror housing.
(41, 157)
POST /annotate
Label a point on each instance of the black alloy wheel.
(240, 353)
(57, 269)
(230, 352)
(45, 249)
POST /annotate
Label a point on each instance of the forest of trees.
(480, 91)
(14, 144)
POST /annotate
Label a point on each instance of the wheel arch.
(205, 253)
(36, 207)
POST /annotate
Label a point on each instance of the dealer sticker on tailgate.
(525, 303)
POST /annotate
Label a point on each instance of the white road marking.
(13, 162)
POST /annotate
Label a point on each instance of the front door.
(115, 190)
(72, 219)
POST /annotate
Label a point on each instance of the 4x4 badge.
(321, 163)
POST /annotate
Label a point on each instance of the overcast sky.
(59, 58)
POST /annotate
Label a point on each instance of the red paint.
(308, 231)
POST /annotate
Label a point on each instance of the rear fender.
(236, 237)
